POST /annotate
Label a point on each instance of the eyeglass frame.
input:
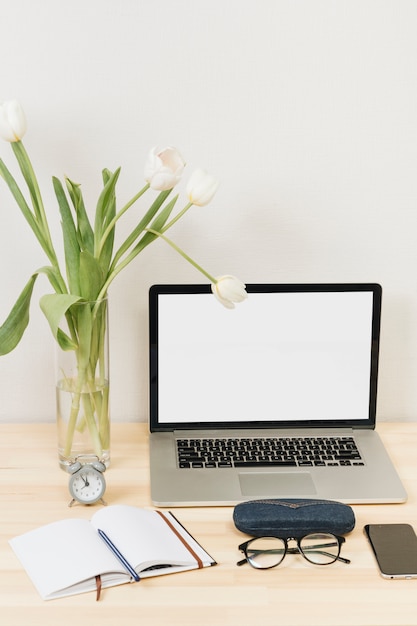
(298, 550)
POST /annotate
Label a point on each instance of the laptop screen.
(289, 356)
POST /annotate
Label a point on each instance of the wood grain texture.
(33, 491)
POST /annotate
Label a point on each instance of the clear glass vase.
(82, 386)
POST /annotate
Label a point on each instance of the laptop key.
(190, 459)
(263, 463)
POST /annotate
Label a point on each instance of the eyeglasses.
(317, 548)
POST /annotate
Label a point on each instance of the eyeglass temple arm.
(341, 558)
(338, 558)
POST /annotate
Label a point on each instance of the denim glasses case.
(293, 517)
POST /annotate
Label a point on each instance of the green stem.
(75, 409)
(92, 425)
(118, 216)
(111, 278)
(104, 424)
(183, 254)
(128, 259)
(135, 234)
(177, 217)
(32, 182)
(95, 405)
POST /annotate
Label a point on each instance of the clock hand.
(86, 483)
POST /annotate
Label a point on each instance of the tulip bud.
(228, 290)
(164, 168)
(12, 121)
(201, 188)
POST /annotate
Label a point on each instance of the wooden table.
(33, 492)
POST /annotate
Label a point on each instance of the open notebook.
(297, 362)
(120, 544)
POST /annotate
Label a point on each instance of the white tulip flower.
(228, 290)
(201, 187)
(12, 121)
(164, 168)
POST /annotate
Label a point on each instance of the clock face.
(87, 485)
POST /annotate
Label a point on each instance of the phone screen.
(395, 549)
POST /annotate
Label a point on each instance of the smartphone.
(395, 549)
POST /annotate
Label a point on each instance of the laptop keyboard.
(267, 452)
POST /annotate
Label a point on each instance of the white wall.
(305, 109)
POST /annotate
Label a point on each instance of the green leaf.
(53, 276)
(151, 212)
(90, 276)
(110, 212)
(15, 325)
(105, 203)
(84, 326)
(29, 176)
(65, 342)
(84, 231)
(22, 204)
(42, 228)
(157, 225)
(98, 334)
(55, 306)
(71, 247)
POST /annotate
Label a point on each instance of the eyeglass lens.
(265, 552)
(319, 548)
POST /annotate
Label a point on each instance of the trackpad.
(269, 484)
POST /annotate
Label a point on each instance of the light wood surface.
(33, 492)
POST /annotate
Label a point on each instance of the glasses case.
(293, 517)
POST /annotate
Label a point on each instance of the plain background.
(306, 110)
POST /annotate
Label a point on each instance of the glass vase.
(82, 386)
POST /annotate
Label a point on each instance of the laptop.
(273, 399)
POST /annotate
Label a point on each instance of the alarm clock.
(87, 483)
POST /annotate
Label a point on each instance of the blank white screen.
(275, 357)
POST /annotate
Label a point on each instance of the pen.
(118, 555)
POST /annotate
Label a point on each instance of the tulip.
(229, 290)
(164, 168)
(12, 121)
(201, 188)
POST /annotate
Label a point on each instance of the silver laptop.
(273, 399)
